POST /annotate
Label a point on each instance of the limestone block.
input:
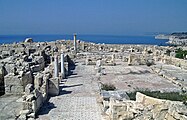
(22, 117)
(159, 111)
(126, 116)
(120, 112)
(16, 89)
(25, 112)
(34, 106)
(31, 116)
(66, 68)
(28, 40)
(36, 68)
(27, 78)
(98, 63)
(5, 53)
(13, 84)
(10, 68)
(39, 59)
(117, 95)
(146, 100)
(38, 80)
(28, 89)
(53, 86)
(169, 117)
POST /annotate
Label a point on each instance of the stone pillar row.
(56, 67)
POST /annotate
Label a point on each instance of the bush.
(108, 87)
(173, 96)
(180, 53)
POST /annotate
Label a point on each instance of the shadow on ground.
(76, 76)
(48, 106)
(139, 72)
(63, 92)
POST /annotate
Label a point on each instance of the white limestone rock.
(28, 40)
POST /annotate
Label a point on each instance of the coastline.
(106, 39)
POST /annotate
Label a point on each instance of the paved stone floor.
(9, 107)
(174, 71)
(77, 99)
(131, 78)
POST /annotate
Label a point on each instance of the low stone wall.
(146, 107)
(15, 84)
(139, 59)
(36, 94)
(170, 77)
(175, 61)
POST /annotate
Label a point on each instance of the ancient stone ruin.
(74, 79)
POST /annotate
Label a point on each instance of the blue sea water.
(107, 39)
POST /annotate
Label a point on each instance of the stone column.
(113, 58)
(129, 60)
(98, 67)
(56, 66)
(62, 65)
(82, 44)
(75, 43)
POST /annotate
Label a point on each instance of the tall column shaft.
(62, 65)
(56, 72)
(75, 43)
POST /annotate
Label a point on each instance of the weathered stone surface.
(146, 107)
(29, 88)
(28, 40)
(54, 86)
(119, 95)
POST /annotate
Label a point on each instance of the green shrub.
(173, 96)
(180, 53)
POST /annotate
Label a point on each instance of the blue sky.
(113, 17)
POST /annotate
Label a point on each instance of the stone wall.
(15, 84)
(36, 94)
(139, 59)
(175, 61)
(146, 107)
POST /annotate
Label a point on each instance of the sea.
(107, 39)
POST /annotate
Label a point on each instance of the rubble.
(145, 107)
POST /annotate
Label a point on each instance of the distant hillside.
(179, 33)
(176, 38)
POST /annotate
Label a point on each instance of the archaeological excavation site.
(78, 80)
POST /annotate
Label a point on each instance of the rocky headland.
(178, 38)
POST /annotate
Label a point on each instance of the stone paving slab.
(130, 78)
(75, 108)
(174, 71)
(77, 99)
(9, 107)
